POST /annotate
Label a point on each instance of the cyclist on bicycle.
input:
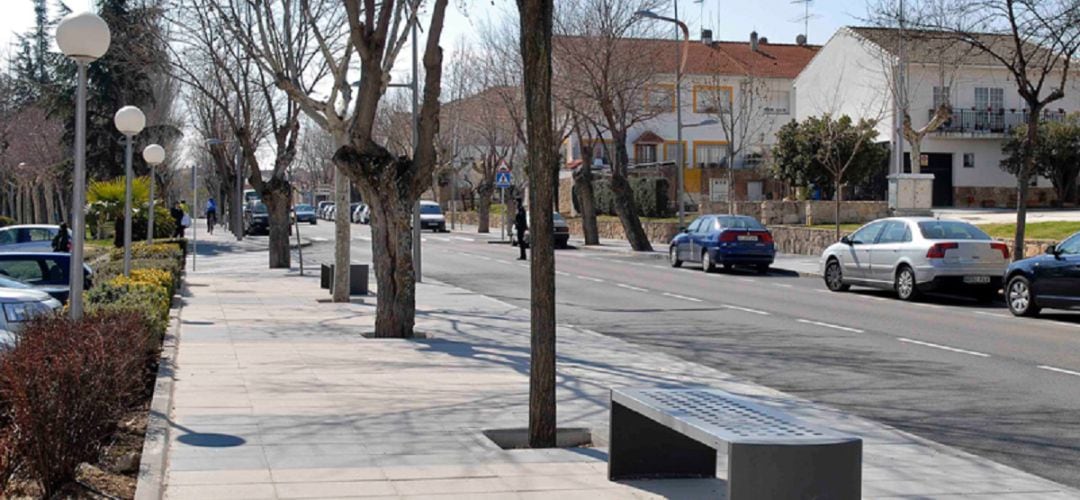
(211, 215)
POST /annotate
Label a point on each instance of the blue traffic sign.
(503, 179)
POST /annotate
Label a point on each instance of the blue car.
(726, 240)
(1050, 280)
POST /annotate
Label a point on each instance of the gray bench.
(669, 433)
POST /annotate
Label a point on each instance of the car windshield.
(558, 217)
(259, 208)
(303, 208)
(951, 230)
(430, 209)
(733, 222)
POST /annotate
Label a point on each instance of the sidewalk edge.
(150, 484)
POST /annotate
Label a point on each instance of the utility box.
(911, 194)
(358, 278)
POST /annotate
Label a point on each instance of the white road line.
(526, 266)
(783, 285)
(1063, 323)
(1059, 370)
(363, 238)
(830, 325)
(944, 347)
(503, 262)
(681, 297)
(748, 280)
(441, 238)
(819, 290)
(746, 309)
(631, 287)
(924, 304)
(586, 278)
(996, 315)
(462, 238)
(561, 273)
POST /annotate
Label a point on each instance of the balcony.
(988, 123)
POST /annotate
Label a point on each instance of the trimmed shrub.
(108, 270)
(142, 250)
(164, 225)
(124, 295)
(67, 383)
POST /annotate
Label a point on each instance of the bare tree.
(740, 106)
(1035, 41)
(599, 59)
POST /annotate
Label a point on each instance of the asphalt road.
(948, 369)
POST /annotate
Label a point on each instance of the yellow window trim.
(705, 143)
(653, 144)
(669, 144)
(669, 86)
(712, 88)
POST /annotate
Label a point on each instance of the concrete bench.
(676, 433)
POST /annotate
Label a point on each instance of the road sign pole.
(502, 227)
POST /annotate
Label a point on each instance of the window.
(951, 230)
(941, 96)
(777, 102)
(707, 224)
(989, 98)
(1070, 246)
(969, 160)
(710, 154)
(40, 234)
(694, 225)
(660, 97)
(895, 232)
(868, 234)
(710, 98)
(645, 153)
(739, 222)
(7, 237)
(671, 152)
(28, 270)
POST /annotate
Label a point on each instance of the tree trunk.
(731, 181)
(38, 203)
(535, 25)
(483, 209)
(587, 203)
(625, 206)
(342, 234)
(50, 203)
(1024, 178)
(836, 207)
(276, 197)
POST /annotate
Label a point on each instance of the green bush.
(164, 225)
(109, 270)
(124, 296)
(156, 250)
(650, 196)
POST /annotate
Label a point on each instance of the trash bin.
(358, 278)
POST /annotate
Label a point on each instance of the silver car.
(28, 238)
(912, 255)
(20, 305)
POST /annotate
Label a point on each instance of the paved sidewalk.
(278, 396)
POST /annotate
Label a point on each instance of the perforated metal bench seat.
(669, 433)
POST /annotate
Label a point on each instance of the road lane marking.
(526, 266)
(586, 278)
(818, 290)
(746, 309)
(748, 280)
(441, 238)
(681, 297)
(1059, 370)
(561, 273)
(783, 285)
(996, 315)
(1064, 323)
(944, 347)
(830, 325)
(631, 287)
(924, 304)
(462, 238)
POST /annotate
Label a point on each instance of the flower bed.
(74, 394)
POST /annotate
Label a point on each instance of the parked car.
(361, 213)
(44, 271)
(559, 226)
(431, 217)
(330, 212)
(256, 218)
(320, 209)
(912, 255)
(305, 213)
(1050, 280)
(28, 238)
(726, 240)
(20, 305)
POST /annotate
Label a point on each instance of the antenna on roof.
(806, 17)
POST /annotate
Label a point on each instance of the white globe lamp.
(83, 36)
(154, 156)
(130, 120)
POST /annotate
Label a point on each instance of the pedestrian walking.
(178, 215)
(521, 224)
(211, 215)
(62, 241)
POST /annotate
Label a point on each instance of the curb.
(150, 484)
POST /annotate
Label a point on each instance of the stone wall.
(1001, 197)
(814, 241)
(806, 212)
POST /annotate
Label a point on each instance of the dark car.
(305, 213)
(727, 240)
(1050, 280)
(44, 271)
(256, 218)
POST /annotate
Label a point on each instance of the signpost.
(503, 180)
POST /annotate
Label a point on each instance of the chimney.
(753, 41)
(763, 41)
(706, 37)
(800, 40)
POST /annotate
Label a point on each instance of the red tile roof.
(771, 60)
(649, 137)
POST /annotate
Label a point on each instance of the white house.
(852, 74)
(714, 71)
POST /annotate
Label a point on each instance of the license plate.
(748, 238)
(977, 280)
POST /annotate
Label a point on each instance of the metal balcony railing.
(999, 121)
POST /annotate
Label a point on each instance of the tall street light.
(129, 121)
(154, 155)
(679, 147)
(83, 37)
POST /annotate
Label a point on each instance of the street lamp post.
(129, 121)
(679, 148)
(84, 38)
(154, 155)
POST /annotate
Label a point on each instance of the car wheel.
(834, 277)
(905, 285)
(763, 269)
(673, 257)
(1020, 298)
(707, 263)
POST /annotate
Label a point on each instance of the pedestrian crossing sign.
(503, 179)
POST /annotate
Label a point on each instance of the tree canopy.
(1056, 155)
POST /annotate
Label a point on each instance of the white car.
(361, 213)
(28, 238)
(911, 255)
(20, 305)
(431, 217)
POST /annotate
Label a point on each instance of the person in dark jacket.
(177, 214)
(62, 241)
(521, 223)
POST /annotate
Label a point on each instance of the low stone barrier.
(813, 241)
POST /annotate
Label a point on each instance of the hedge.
(650, 196)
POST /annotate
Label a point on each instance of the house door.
(755, 191)
(941, 165)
